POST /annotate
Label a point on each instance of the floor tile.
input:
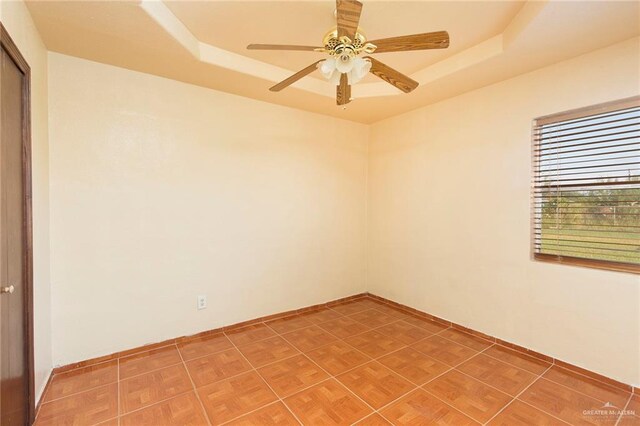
(82, 379)
(413, 365)
(373, 318)
(526, 362)
(273, 415)
(388, 310)
(562, 402)
(375, 384)
(327, 403)
(291, 375)
(591, 387)
(353, 307)
(217, 366)
(631, 416)
(444, 350)
(404, 332)
(309, 338)
(420, 408)
(249, 334)
(267, 351)
(147, 389)
(520, 414)
(148, 361)
(373, 420)
(429, 325)
(234, 397)
(112, 422)
(87, 408)
(344, 327)
(634, 404)
(202, 346)
(285, 325)
(183, 410)
(506, 377)
(374, 344)
(338, 357)
(399, 367)
(470, 396)
(322, 315)
(369, 302)
(627, 420)
(466, 339)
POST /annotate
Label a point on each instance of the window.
(586, 187)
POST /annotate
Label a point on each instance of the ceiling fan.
(346, 43)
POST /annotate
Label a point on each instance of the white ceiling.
(203, 43)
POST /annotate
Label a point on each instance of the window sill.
(588, 263)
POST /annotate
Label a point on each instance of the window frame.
(601, 108)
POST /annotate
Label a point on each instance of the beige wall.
(16, 19)
(161, 191)
(449, 218)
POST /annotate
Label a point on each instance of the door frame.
(27, 224)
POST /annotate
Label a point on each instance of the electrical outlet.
(202, 302)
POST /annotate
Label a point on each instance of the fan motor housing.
(331, 39)
(340, 46)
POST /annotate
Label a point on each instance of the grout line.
(365, 417)
(592, 378)
(268, 385)
(373, 410)
(624, 410)
(513, 398)
(512, 364)
(543, 411)
(485, 383)
(79, 392)
(279, 401)
(422, 386)
(155, 403)
(335, 379)
(151, 371)
(162, 400)
(193, 385)
(575, 390)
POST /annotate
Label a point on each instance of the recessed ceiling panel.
(536, 34)
(232, 25)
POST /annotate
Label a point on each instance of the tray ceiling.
(203, 43)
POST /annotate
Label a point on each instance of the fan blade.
(391, 76)
(295, 77)
(435, 40)
(348, 17)
(343, 91)
(281, 47)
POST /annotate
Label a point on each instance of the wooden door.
(16, 353)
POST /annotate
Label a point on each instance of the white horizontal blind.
(586, 188)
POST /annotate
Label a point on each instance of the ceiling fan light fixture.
(346, 42)
(361, 68)
(345, 61)
(355, 68)
(328, 70)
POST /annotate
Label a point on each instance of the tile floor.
(359, 363)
